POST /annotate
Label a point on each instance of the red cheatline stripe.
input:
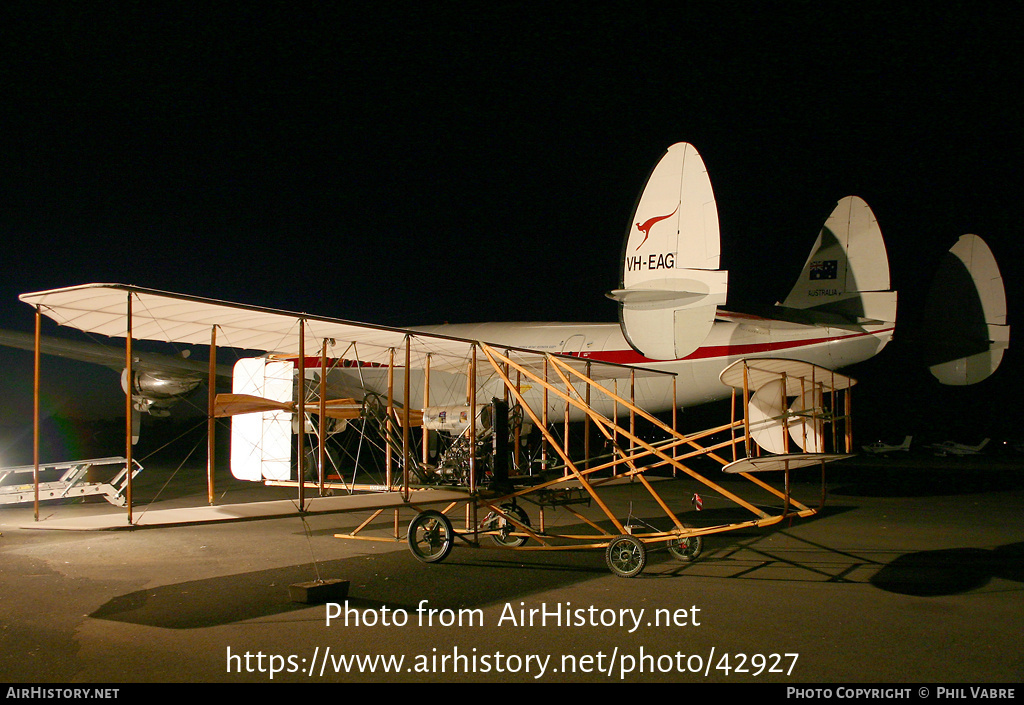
(631, 357)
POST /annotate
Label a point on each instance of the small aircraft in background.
(879, 448)
(959, 449)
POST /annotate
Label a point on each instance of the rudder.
(847, 272)
(670, 285)
(965, 316)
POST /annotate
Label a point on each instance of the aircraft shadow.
(230, 599)
(469, 577)
(950, 571)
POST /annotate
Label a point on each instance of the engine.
(155, 392)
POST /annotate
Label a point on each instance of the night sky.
(407, 164)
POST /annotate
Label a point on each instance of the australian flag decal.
(824, 269)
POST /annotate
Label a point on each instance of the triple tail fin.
(671, 286)
(846, 275)
(965, 328)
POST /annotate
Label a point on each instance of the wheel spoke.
(626, 556)
(430, 536)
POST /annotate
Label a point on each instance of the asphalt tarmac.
(912, 574)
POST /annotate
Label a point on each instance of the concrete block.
(319, 592)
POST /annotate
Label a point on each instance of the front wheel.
(431, 536)
(626, 556)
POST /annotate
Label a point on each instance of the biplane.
(452, 403)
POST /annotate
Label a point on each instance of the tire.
(626, 556)
(686, 548)
(431, 536)
(502, 525)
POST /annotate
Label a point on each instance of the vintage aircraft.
(159, 381)
(879, 448)
(673, 347)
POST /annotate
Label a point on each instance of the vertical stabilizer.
(847, 272)
(671, 285)
(966, 332)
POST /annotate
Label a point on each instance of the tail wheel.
(431, 536)
(626, 556)
(686, 548)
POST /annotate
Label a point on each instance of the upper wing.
(119, 310)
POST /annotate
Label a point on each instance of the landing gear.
(505, 528)
(686, 548)
(626, 556)
(431, 536)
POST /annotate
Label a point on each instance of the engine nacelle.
(154, 392)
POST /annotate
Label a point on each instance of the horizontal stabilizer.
(690, 287)
(965, 326)
(754, 373)
(671, 285)
(769, 463)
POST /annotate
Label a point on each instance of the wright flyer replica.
(788, 414)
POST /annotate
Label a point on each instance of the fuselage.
(734, 336)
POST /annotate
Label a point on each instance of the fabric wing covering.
(103, 309)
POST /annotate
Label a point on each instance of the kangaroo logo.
(645, 227)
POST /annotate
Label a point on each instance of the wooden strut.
(650, 449)
(426, 403)
(491, 355)
(301, 441)
(322, 436)
(471, 507)
(388, 428)
(406, 458)
(667, 453)
(763, 519)
(35, 414)
(211, 422)
(128, 407)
